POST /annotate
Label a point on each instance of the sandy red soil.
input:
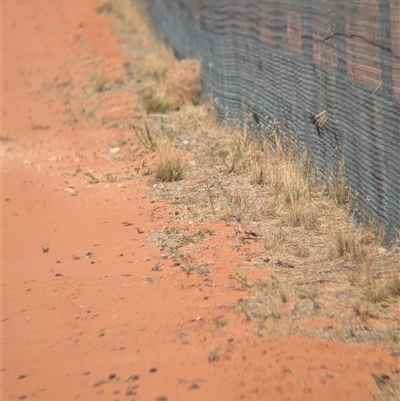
(82, 321)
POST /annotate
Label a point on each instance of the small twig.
(319, 115)
(150, 138)
(373, 93)
(320, 119)
(108, 159)
(137, 134)
(210, 197)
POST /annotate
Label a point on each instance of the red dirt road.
(80, 317)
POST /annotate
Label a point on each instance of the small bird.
(241, 228)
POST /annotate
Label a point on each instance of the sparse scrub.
(263, 175)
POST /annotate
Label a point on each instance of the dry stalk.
(320, 119)
(208, 186)
(373, 93)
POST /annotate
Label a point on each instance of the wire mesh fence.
(329, 71)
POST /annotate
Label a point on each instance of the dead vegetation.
(170, 167)
(312, 263)
(182, 83)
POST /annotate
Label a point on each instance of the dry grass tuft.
(182, 83)
(349, 247)
(157, 63)
(338, 186)
(170, 166)
(97, 83)
(155, 102)
(376, 291)
(361, 309)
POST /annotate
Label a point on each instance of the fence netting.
(328, 70)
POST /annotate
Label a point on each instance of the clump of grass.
(156, 268)
(188, 268)
(257, 176)
(105, 7)
(241, 278)
(236, 205)
(361, 310)
(92, 179)
(233, 153)
(294, 187)
(156, 104)
(219, 323)
(376, 291)
(213, 356)
(99, 83)
(203, 271)
(170, 167)
(156, 63)
(349, 247)
(338, 186)
(238, 149)
(111, 177)
(182, 82)
(279, 164)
